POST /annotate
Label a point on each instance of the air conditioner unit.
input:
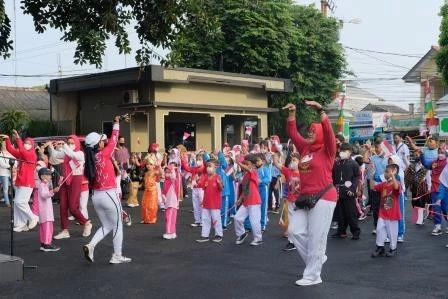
(130, 97)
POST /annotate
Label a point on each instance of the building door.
(180, 133)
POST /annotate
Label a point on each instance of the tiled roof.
(35, 101)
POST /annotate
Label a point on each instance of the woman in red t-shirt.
(308, 229)
(249, 203)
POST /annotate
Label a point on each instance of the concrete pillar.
(217, 130)
(263, 125)
(160, 126)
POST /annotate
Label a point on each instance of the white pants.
(291, 211)
(254, 213)
(22, 210)
(210, 217)
(197, 197)
(83, 200)
(387, 229)
(108, 208)
(159, 196)
(308, 230)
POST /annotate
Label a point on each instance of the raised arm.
(329, 138)
(222, 160)
(79, 155)
(291, 129)
(113, 140)
(10, 148)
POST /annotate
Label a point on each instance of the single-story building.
(34, 101)
(199, 108)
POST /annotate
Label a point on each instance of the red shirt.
(293, 180)
(316, 167)
(104, 169)
(25, 170)
(212, 192)
(249, 189)
(389, 203)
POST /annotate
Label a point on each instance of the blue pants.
(401, 223)
(225, 211)
(438, 210)
(263, 189)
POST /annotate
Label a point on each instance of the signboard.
(363, 116)
(362, 132)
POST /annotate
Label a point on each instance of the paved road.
(184, 269)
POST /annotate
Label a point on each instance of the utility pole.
(324, 7)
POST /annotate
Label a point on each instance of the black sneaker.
(217, 239)
(289, 247)
(355, 237)
(379, 251)
(203, 239)
(240, 239)
(392, 253)
(49, 248)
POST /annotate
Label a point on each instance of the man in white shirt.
(402, 150)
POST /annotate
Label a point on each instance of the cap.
(94, 138)
(44, 171)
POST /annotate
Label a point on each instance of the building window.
(180, 133)
(107, 128)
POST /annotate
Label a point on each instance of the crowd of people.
(315, 182)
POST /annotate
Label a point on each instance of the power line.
(386, 53)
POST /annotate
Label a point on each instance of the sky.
(404, 27)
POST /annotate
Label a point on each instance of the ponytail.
(89, 168)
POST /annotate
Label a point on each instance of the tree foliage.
(13, 119)
(266, 37)
(442, 56)
(90, 23)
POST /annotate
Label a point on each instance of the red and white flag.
(186, 135)
(387, 148)
(249, 130)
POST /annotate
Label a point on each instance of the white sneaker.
(167, 236)
(173, 236)
(436, 231)
(19, 229)
(88, 252)
(256, 243)
(308, 282)
(87, 229)
(33, 222)
(400, 239)
(374, 232)
(387, 240)
(62, 235)
(119, 259)
(71, 218)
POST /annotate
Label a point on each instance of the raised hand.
(290, 107)
(313, 105)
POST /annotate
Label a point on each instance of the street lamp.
(356, 21)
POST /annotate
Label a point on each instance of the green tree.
(13, 119)
(266, 37)
(90, 23)
(442, 56)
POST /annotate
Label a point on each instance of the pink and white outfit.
(170, 194)
(46, 216)
(105, 198)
